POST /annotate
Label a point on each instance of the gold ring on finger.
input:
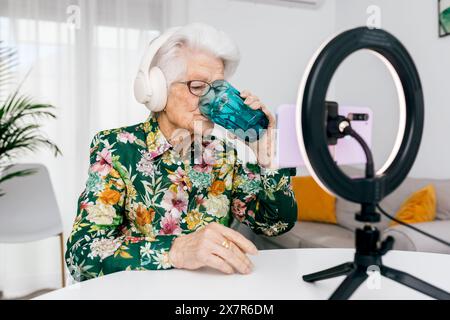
(226, 244)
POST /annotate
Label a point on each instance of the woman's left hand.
(264, 147)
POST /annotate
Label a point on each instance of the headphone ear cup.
(158, 87)
(142, 89)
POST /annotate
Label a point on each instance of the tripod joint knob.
(387, 245)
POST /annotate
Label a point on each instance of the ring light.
(318, 124)
(311, 110)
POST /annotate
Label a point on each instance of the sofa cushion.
(307, 234)
(314, 204)
(407, 239)
(419, 207)
(442, 187)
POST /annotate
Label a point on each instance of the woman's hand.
(264, 147)
(215, 246)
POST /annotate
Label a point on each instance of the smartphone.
(346, 151)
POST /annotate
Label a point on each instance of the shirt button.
(179, 163)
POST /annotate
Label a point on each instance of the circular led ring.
(310, 114)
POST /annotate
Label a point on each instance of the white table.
(277, 275)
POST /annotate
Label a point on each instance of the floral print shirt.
(140, 194)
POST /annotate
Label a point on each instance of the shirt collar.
(156, 142)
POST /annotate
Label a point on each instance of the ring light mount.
(313, 141)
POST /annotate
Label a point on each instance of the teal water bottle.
(224, 106)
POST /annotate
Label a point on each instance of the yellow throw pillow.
(419, 207)
(314, 204)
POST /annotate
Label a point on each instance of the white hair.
(195, 36)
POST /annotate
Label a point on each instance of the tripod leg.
(349, 285)
(340, 270)
(415, 283)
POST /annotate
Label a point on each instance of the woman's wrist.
(264, 150)
(173, 254)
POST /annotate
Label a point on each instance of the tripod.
(368, 254)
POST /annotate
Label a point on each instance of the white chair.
(28, 210)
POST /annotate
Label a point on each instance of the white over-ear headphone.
(150, 87)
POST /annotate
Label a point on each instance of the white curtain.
(83, 56)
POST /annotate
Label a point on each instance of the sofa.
(307, 234)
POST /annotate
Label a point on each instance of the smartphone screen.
(346, 151)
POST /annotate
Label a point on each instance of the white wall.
(276, 41)
(364, 81)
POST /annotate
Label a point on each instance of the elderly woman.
(148, 205)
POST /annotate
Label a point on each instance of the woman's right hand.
(205, 247)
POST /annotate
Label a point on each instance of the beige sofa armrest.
(408, 239)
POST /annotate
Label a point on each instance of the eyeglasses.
(201, 88)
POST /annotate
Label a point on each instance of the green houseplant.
(19, 120)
